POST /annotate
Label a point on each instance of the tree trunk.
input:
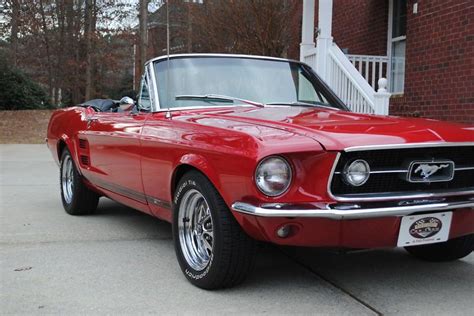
(14, 33)
(48, 52)
(88, 30)
(60, 69)
(143, 43)
(190, 30)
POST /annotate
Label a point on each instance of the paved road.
(122, 261)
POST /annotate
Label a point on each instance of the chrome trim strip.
(463, 168)
(159, 58)
(380, 171)
(331, 176)
(406, 171)
(155, 88)
(407, 145)
(250, 209)
(390, 196)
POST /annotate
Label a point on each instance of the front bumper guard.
(346, 211)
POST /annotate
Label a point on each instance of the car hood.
(336, 130)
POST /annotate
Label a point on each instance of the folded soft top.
(102, 105)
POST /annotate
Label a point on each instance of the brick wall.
(360, 25)
(439, 79)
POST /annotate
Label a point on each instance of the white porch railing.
(310, 57)
(372, 68)
(352, 78)
(349, 83)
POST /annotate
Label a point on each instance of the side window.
(144, 102)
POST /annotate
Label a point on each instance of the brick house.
(425, 48)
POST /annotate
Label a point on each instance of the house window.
(398, 44)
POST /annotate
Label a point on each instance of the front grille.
(384, 162)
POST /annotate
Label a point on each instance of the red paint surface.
(136, 157)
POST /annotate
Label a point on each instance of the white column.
(307, 28)
(324, 40)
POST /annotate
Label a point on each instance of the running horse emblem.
(428, 170)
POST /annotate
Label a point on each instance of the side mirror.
(126, 100)
(126, 104)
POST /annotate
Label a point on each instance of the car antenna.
(168, 112)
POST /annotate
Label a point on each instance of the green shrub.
(18, 91)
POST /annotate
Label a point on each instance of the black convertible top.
(102, 105)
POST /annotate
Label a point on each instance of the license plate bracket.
(424, 229)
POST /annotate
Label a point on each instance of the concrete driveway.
(120, 261)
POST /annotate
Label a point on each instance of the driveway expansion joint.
(331, 283)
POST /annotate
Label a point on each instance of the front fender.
(200, 163)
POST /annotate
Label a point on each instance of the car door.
(115, 151)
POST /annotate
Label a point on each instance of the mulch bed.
(24, 127)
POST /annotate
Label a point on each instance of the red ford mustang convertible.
(236, 149)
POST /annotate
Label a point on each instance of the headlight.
(273, 176)
(356, 173)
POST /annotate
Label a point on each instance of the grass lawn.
(24, 127)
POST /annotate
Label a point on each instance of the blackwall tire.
(212, 250)
(76, 197)
(450, 250)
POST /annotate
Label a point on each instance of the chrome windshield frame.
(150, 65)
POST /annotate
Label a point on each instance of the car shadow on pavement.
(379, 276)
(381, 272)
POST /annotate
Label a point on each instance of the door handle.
(90, 120)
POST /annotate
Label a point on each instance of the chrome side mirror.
(126, 101)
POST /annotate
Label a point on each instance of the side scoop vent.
(83, 143)
(84, 160)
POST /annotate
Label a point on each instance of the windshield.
(258, 80)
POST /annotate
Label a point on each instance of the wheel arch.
(60, 147)
(66, 142)
(198, 163)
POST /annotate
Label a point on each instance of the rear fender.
(70, 145)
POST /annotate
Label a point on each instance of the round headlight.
(356, 173)
(273, 176)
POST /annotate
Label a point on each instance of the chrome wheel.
(67, 179)
(195, 227)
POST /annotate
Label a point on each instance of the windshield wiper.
(217, 98)
(307, 104)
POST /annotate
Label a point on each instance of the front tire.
(77, 198)
(212, 250)
(450, 250)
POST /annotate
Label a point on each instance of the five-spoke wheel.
(212, 250)
(77, 198)
(195, 229)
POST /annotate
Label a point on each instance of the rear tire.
(77, 198)
(212, 249)
(450, 250)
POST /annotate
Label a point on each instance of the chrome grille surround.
(400, 195)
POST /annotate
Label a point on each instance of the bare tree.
(62, 45)
(260, 27)
(15, 9)
(143, 37)
(89, 31)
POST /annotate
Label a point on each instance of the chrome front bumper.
(346, 211)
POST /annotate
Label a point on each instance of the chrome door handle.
(90, 120)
